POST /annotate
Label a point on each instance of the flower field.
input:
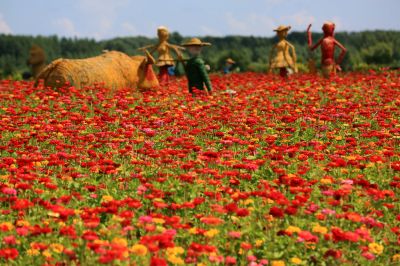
(263, 172)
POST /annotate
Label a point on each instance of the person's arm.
(341, 56)
(204, 74)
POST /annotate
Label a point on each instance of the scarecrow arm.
(204, 75)
(342, 54)
(310, 45)
(177, 49)
(294, 56)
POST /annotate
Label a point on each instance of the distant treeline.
(368, 49)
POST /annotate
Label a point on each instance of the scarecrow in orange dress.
(328, 44)
(283, 54)
(165, 59)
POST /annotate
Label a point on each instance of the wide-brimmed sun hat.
(195, 42)
(282, 28)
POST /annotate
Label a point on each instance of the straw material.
(112, 70)
(36, 60)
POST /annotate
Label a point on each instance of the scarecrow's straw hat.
(282, 28)
(230, 61)
(195, 42)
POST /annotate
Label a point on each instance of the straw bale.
(113, 70)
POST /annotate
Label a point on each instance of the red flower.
(158, 262)
(395, 165)
(336, 254)
(276, 212)
(9, 253)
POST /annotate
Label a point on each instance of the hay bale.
(113, 70)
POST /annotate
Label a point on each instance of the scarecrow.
(164, 60)
(195, 68)
(328, 44)
(283, 54)
(228, 65)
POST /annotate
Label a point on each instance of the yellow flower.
(117, 218)
(107, 198)
(296, 260)
(139, 250)
(125, 254)
(7, 225)
(175, 251)
(320, 229)
(158, 220)
(120, 242)
(211, 233)
(293, 229)
(46, 253)
(259, 242)
(396, 257)
(325, 181)
(175, 260)
(375, 248)
(248, 201)
(33, 252)
(278, 263)
(57, 248)
(193, 231)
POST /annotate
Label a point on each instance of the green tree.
(380, 53)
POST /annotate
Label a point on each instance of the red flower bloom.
(9, 253)
(276, 212)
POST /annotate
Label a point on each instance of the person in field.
(195, 68)
(164, 60)
(328, 44)
(229, 63)
(283, 54)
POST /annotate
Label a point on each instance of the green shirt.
(197, 74)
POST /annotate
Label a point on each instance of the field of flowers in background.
(298, 172)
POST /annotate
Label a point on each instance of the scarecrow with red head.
(328, 44)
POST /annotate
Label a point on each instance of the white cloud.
(129, 29)
(275, 2)
(338, 23)
(102, 14)
(252, 24)
(300, 20)
(4, 28)
(209, 31)
(66, 27)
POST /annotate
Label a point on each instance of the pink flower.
(230, 260)
(368, 255)
(22, 231)
(9, 240)
(145, 219)
(9, 191)
(235, 234)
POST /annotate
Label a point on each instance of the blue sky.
(101, 19)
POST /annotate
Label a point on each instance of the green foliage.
(365, 49)
(380, 53)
